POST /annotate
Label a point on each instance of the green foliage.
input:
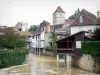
(76, 13)
(44, 23)
(12, 57)
(91, 47)
(52, 37)
(32, 28)
(96, 36)
(51, 48)
(11, 40)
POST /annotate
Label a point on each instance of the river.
(45, 65)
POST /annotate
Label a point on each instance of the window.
(81, 19)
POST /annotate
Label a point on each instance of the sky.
(35, 11)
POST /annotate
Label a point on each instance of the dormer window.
(81, 19)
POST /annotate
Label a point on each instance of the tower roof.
(59, 9)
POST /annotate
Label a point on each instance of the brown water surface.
(46, 65)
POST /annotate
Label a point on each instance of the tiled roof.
(59, 9)
(63, 31)
(57, 26)
(24, 33)
(69, 21)
(73, 35)
(88, 18)
(35, 33)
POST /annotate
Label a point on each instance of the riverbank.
(44, 65)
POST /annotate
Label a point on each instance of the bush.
(51, 48)
(91, 47)
(11, 40)
(96, 35)
(12, 57)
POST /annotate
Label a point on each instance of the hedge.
(12, 58)
(90, 47)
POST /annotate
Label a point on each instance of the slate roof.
(88, 19)
(59, 9)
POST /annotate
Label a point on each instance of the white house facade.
(76, 29)
(39, 40)
(58, 16)
(84, 22)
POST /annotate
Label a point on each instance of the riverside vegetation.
(93, 48)
(12, 48)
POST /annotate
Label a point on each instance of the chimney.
(98, 14)
(90, 33)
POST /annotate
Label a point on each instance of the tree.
(32, 28)
(96, 35)
(11, 40)
(44, 22)
(96, 54)
(76, 13)
(52, 37)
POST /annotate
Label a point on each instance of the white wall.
(76, 29)
(42, 36)
(58, 18)
(40, 42)
(36, 41)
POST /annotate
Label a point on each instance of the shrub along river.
(44, 65)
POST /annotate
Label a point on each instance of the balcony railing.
(65, 49)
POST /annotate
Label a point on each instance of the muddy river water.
(45, 65)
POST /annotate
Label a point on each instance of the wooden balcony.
(65, 50)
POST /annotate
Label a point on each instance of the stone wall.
(84, 62)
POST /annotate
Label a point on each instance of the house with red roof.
(81, 30)
(85, 21)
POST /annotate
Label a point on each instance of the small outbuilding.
(72, 43)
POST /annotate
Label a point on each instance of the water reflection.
(46, 65)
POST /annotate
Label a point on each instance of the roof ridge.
(59, 9)
(89, 16)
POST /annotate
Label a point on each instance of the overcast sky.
(34, 11)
